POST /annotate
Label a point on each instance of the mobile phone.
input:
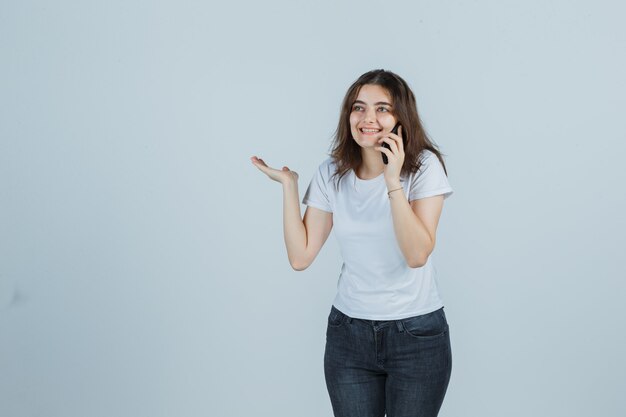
(386, 145)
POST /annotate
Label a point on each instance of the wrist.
(395, 191)
(393, 185)
(290, 183)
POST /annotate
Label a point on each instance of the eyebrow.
(375, 104)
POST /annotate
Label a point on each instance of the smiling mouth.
(370, 131)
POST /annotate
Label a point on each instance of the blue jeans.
(399, 367)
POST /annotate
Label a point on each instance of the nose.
(370, 115)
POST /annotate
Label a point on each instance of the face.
(373, 111)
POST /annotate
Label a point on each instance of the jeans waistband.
(374, 323)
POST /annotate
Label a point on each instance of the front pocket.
(335, 318)
(426, 326)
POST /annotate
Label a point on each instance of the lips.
(370, 131)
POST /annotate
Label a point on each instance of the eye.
(384, 108)
(356, 107)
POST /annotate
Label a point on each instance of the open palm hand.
(282, 176)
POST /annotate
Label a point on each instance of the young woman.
(387, 339)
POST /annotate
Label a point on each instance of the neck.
(372, 164)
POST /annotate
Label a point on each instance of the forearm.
(293, 226)
(412, 236)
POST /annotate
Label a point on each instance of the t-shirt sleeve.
(430, 180)
(317, 193)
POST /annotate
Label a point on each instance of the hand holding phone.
(386, 145)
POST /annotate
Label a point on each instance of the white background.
(142, 265)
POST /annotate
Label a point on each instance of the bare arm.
(415, 226)
(414, 223)
(303, 237)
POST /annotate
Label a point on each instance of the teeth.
(370, 130)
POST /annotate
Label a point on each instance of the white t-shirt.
(375, 282)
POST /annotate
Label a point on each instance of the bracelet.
(393, 191)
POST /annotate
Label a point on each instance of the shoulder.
(328, 162)
(428, 157)
(430, 162)
(327, 167)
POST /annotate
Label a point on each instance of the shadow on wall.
(10, 295)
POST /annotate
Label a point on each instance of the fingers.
(384, 150)
(260, 163)
(400, 138)
(396, 148)
(257, 161)
(396, 138)
(392, 143)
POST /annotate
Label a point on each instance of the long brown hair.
(346, 153)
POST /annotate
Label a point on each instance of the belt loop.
(399, 325)
(349, 319)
